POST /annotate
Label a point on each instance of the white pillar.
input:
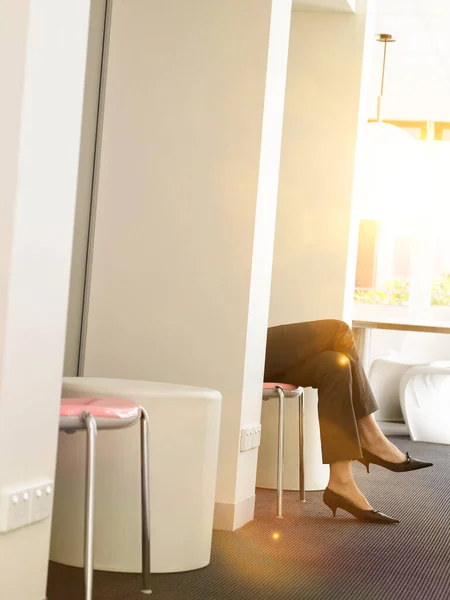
(186, 208)
(42, 61)
(264, 232)
(313, 239)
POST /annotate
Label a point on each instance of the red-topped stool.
(282, 391)
(93, 414)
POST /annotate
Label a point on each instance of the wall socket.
(250, 437)
(20, 506)
(41, 502)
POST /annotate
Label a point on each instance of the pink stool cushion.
(104, 408)
(284, 386)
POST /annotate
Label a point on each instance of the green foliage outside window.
(441, 291)
(396, 292)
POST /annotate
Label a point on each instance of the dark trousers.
(322, 355)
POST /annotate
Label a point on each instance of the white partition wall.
(42, 61)
(186, 204)
(314, 254)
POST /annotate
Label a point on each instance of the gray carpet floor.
(315, 556)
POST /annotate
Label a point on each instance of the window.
(403, 261)
(367, 254)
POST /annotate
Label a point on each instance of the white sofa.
(184, 442)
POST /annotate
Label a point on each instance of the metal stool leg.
(280, 452)
(145, 502)
(91, 434)
(301, 449)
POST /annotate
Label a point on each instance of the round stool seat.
(290, 391)
(109, 413)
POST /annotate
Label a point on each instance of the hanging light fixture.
(380, 128)
(393, 162)
(385, 38)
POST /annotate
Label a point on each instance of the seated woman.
(322, 355)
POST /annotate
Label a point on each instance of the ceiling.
(324, 5)
(417, 85)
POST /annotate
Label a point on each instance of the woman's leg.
(305, 354)
(374, 440)
(294, 354)
(341, 481)
(290, 345)
(371, 436)
(363, 399)
(322, 354)
(331, 373)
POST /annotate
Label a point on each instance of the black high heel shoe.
(410, 464)
(335, 501)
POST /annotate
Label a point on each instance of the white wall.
(84, 187)
(13, 37)
(42, 61)
(181, 221)
(314, 217)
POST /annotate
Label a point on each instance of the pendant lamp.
(392, 181)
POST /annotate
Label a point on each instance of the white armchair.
(418, 350)
(384, 377)
(425, 402)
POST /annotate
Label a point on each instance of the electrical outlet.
(256, 436)
(14, 509)
(246, 438)
(250, 437)
(19, 509)
(21, 506)
(41, 501)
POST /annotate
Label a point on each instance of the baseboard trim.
(229, 517)
(244, 511)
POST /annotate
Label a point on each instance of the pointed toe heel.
(335, 501)
(410, 464)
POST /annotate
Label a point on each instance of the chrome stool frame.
(283, 391)
(92, 423)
